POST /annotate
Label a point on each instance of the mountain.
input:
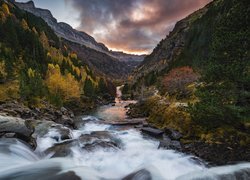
(196, 80)
(67, 32)
(171, 48)
(37, 67)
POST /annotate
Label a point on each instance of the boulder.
(139, 175)
(11, 127)
(100, 145)
(173, 134)
(41, 128)
(152, 132)
(62, 149)
(14, 125)
(98, 139)
(167, 143)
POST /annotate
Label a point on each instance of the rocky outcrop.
(86, 142)
(62, 149)
(218, 154)
(99, 139)
(11, 127)
(47, 113)
(167, 143)
(153, 132)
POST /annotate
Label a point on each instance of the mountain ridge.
(67, 32)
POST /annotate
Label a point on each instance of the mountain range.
(115, 63)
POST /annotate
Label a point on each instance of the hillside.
(36, 66)
(196, 80)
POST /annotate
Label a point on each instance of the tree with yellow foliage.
(72, 87)
(5, 9)
(44, 40)
(3, 73)
(2, 17)
(24, 24)
(63, 87)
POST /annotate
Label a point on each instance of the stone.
(11, 127)
(98, 139)
(168, 144)
(152, 132)
(62, 149)
(173, 134)
(139, 175)
(14, 125)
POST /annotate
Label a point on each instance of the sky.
(132, 26)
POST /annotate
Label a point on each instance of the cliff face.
(67, 32)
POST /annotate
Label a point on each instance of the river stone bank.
(31, 123)
(214, 154)
(47, 112)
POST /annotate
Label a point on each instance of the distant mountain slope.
(102, 63)
(67, 32)
(171, 48)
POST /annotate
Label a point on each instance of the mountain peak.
(31, 4)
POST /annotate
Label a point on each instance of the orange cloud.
(132, 25)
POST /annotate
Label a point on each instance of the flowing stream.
(18, 161)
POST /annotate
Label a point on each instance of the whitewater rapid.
(137, 153)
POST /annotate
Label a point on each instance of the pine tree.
(89, 89)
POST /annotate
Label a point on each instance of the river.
(19, 162)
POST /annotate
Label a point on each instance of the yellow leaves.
(31, 73)
(34, 30)
(73, 55)
(44, 40)
(2, 17)
(55, 55)
(4, 12)
(9, 91)
(3, 73)
(24, 24)
(5, 9)
(72, 87)
(64, 86)
(77, 70)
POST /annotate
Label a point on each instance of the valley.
(71, 108)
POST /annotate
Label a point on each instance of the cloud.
(132, 25)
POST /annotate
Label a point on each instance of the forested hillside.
(36, 66)
(197, 80)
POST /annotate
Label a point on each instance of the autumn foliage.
(177, 79)
(66, 87)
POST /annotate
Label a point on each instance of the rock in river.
(152, 132)
(17, 128)
(139, 175)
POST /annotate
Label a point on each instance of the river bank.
(215, 152)
(106, 144)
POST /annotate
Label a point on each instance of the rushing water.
(18, 161)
